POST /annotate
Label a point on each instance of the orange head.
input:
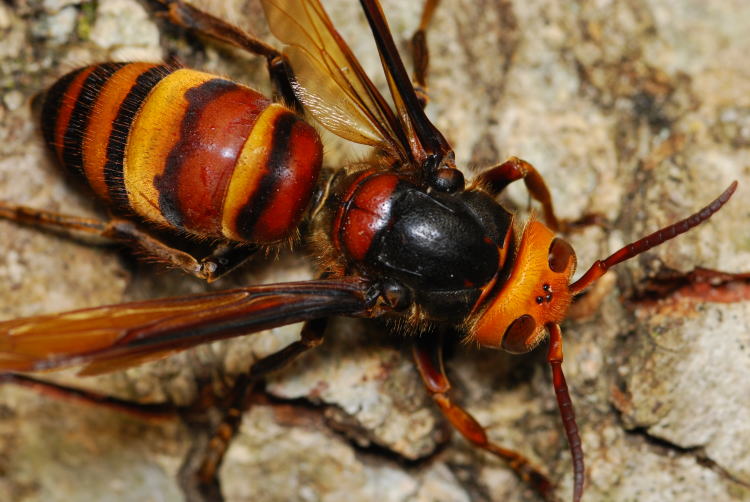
(535, 298)
(535, 294)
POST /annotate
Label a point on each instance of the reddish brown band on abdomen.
(185, 149)
(217, 120)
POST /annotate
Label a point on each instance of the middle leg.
(186, 16)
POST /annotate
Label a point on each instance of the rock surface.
(636, 109)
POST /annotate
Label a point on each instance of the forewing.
(114, 337)
(425, 140)
(330, 82)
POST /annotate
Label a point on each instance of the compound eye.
(517, 339)
(560, 254)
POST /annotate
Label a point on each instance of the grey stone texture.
(637, 109)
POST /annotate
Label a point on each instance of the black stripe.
(167, 184)
(79, 119)
(277, 162)
(52, 101)
(114, 178)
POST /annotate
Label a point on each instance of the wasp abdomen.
(185, 149)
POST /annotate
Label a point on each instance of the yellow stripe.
(155, 131)
(250, 169)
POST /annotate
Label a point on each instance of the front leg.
(428, 356)
(495, 179)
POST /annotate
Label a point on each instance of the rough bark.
(637, 109)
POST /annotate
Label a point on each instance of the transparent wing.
(330, 81)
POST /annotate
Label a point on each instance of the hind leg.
(224, 258)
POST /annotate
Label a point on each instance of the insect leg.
(311, 337)
(498, 177)
(197, 475)
(421, 53)
(144, 411)
(185, 15)
(224, 258)
(202, 475)
(428, 356)
(38, 217)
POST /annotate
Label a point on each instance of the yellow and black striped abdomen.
(185, 149)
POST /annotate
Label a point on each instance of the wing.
(425, 139)
(332, 85)
(330, 81)
(119, 336)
